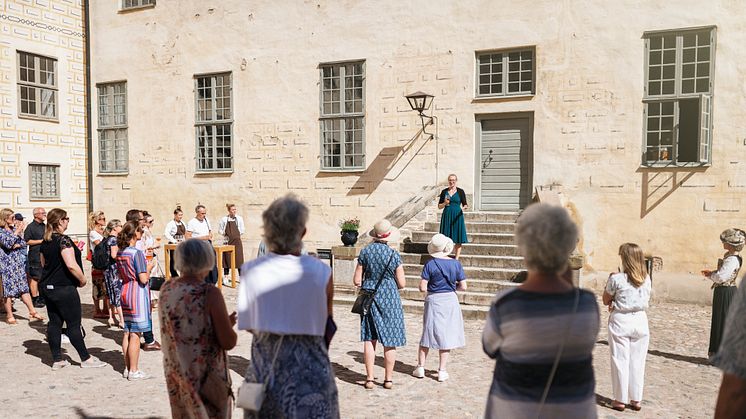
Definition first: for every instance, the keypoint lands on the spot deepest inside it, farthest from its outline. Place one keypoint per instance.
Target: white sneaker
(60, 365)
(419, 372)
(227, 281)
(65, 339)
(126, 373)
(92, 362)
(442, 376)
(138, 375)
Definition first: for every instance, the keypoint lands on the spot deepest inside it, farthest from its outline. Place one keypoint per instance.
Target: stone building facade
(42, 108)
(630, 110)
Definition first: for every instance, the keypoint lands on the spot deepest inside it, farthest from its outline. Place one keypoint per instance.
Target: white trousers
(629, 337)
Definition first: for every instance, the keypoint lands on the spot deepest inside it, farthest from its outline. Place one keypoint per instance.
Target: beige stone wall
(54, 29)
(587, 110)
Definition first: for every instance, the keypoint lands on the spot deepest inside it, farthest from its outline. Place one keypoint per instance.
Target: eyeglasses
(66, 219)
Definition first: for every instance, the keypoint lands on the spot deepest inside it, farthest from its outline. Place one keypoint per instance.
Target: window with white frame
(44, 181)
(37, 86)
(343, 116)
(113, 146)
(505, 73)
(134, 4)
(678, 96)
(214, 122)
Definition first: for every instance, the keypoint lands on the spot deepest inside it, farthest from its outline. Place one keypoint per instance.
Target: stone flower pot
(349, 238)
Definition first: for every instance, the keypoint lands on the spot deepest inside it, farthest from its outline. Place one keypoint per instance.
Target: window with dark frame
(342, 119)
(214, 122)
(134, 4)
(113, 144)
(44, 180)
(678, 97)
(505, 73)
(37, 86)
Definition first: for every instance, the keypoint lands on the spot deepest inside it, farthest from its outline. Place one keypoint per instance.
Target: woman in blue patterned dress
(385, 321)
(285, 301)
(134, 272)
(111, 277)
(452, 201)
(12, 266)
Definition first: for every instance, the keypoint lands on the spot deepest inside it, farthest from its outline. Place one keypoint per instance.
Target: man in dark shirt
(34, 235)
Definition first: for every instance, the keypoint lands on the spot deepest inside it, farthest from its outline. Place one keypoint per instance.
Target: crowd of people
(541, 334)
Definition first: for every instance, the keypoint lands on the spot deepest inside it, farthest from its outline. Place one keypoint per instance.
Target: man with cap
(34, 235)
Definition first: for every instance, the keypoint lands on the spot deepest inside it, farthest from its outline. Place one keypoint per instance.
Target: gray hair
(546, 236)
(193, 256)
(284, 224)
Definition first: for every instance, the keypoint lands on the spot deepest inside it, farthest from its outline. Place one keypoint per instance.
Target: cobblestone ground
(679, 382)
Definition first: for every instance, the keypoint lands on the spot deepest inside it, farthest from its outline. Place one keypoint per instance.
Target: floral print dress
(12, 265)
(190, 349)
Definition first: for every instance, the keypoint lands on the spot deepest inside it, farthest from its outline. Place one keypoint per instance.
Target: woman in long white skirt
(627, 294)
(442, 322)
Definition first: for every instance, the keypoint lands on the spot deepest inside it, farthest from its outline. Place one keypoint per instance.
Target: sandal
(635, 406)
(11, 320)
(619, 407)
(35, 316)
(388, 384)
(369, 384)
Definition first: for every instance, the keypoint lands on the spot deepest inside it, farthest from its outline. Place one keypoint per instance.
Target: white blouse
(727, 270)
(627, 297)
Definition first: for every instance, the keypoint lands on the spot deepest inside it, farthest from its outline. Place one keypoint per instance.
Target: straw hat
(440, 246)
(384, 231)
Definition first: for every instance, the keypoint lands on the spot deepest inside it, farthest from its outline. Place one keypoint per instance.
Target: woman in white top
(627, 294)
(96, 225)
(724, 284)
(285, 301)
(174, 233)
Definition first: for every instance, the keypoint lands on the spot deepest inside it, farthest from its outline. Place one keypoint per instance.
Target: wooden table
(220, 249)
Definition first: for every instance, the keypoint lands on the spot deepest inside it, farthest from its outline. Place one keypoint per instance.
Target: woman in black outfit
(62, 274)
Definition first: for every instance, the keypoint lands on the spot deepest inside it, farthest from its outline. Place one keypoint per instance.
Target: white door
(504, 160)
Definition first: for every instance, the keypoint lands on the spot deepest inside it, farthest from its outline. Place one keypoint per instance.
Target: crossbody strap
(453, 286)
(383, 272)
(271, 375)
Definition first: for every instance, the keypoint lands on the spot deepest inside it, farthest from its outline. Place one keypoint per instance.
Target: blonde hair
(633, 263)
(452, 174)
(111, 226)
(93, 217)
(4, 214)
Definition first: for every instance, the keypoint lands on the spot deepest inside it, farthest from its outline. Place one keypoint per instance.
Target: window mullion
(678, 68)
(213, 92)
(505, 78)
(675, 136)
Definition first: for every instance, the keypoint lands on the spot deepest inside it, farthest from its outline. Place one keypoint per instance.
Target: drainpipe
(88, 125)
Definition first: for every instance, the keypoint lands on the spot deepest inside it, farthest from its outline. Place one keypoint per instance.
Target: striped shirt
(523, 333)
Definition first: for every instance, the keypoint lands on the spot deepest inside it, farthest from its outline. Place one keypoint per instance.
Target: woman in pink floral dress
(196, 332)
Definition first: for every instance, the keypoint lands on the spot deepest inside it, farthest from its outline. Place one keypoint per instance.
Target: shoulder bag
(156, 281)
(251, 395)
(365, 298)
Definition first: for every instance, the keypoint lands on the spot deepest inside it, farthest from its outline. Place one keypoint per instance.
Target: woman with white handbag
(285, 301)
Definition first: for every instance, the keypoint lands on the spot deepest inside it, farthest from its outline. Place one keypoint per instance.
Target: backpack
(101, 259)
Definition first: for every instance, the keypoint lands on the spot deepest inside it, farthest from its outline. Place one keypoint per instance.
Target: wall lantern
(421, 102)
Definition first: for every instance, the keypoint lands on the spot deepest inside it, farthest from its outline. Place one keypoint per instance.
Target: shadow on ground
(82, 414)
(676, 357)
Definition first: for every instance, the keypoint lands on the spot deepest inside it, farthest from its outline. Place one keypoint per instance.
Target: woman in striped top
(542, 333)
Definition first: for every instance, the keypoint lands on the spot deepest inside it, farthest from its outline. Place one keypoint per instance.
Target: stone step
(472, 272)
(468, 298)
(471, 312)
(466, 260)
(486, 217)
(474, 238)
(468, 249)
(505, 228)
(476, 285)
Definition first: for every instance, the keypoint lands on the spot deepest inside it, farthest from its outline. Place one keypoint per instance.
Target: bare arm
(461, 285)
(401, 280)
(423, 285)
(221, 321)
(68, 256)
(607, 298)
(731, 403)
(330, 296)
(34, 242)
(144, 277)
(188, 234)
(357, 277)
(113, 252)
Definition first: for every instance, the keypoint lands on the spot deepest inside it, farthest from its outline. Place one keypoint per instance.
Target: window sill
(359, 170)
(495, 99)
(39, 118)
(47, 199)
(214, 172)
(664, 166)
(136, 9)
(113, 174)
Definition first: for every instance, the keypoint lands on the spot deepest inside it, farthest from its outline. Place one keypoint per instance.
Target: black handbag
(365, 298)
(157, 280)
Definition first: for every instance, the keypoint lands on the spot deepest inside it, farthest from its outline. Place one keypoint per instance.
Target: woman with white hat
(442, 322)
(379, 268)
(724, 283)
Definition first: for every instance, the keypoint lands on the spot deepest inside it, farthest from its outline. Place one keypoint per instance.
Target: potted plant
(349, 232)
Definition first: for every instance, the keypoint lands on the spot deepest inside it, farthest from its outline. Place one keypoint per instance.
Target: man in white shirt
(199, 228)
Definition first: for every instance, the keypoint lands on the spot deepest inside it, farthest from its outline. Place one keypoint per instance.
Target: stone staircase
(490, 259)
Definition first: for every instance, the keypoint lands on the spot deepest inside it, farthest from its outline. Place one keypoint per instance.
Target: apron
(233, 237)
(180, 233)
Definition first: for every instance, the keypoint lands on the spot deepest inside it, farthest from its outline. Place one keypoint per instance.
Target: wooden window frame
(213, 127)
(136, 4)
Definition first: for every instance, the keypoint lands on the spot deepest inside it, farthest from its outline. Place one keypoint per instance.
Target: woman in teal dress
(384, 322)
(453, 203)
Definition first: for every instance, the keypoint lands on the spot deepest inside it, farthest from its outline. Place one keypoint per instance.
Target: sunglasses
(66, 219)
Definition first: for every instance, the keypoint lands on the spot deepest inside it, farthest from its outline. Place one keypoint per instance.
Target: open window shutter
(705, 128)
